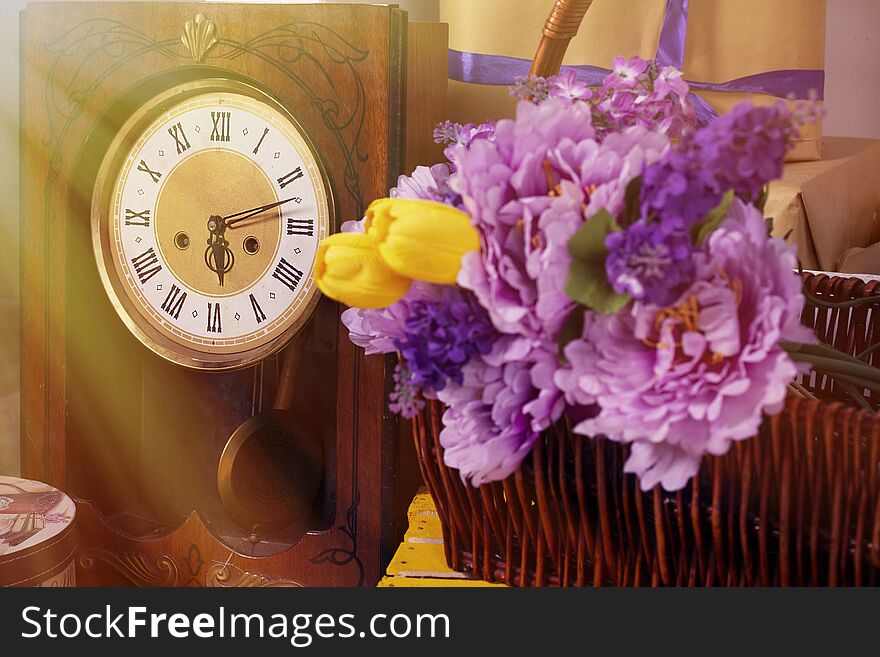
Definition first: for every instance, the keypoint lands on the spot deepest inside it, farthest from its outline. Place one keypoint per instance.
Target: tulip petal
(422, 240)
(350, 269)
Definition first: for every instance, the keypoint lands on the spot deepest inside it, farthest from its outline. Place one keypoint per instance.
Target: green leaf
(632, 209)
(589, 242)
(588, 285)
(587, 280)
(701, 231)
(769, 221)
(571, 330)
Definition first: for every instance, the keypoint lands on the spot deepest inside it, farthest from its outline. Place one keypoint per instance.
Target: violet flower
(458, 136)
(528, 192)
(440, 336)
(535, 89)
(567, 86)
(699, 375)
(426, 183)
(406, 398)
(678, 190)
(650, 261)
(625, 73)
(744, 149)
(490, 422)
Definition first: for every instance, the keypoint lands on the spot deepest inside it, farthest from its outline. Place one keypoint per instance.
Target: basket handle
(561, 27)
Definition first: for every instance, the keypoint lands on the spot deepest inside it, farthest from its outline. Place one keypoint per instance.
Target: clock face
(206, 220)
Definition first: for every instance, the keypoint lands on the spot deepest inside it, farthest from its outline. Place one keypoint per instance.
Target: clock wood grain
(102, 417)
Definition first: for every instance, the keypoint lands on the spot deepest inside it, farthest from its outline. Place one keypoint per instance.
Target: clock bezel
(101, 219)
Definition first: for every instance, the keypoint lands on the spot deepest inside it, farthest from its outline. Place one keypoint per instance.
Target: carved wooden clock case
(180, 158)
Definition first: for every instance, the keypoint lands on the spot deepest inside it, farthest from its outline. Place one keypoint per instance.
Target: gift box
(829, 206)
(731, 49)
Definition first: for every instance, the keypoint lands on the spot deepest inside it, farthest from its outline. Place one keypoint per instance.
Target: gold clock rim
(146, 334)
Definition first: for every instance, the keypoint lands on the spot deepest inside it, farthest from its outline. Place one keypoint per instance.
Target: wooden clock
(183, 380)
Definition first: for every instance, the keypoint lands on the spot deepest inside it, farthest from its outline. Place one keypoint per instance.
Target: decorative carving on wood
(65, 579)
(135, 567)
(193, 562)
(293, 49)
(199, 36)
(221, 575)
(341, 556)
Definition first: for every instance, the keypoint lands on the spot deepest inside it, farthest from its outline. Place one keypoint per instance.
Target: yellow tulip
(349, 268)
(422, 240)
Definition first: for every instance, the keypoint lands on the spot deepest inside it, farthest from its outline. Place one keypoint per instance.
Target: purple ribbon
(476, 68)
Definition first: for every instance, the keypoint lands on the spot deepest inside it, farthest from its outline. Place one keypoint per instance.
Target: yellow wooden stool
(419, 561)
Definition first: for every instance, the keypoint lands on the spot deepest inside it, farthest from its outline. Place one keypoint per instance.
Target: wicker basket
(797, 505)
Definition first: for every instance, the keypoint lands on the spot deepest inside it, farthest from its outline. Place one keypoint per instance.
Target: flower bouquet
(596, 269)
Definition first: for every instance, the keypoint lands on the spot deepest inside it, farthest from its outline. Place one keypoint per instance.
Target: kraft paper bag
(726, 40)
(830, 207)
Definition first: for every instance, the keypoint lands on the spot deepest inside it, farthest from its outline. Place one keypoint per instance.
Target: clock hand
(232, 219)
(218, 257)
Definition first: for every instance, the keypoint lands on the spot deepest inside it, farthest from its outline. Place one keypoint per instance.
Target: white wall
(852, 68)
(852, 99)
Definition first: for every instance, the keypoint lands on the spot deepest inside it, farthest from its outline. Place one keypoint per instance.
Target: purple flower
(669, 80)
(594, 176)
(534, 88)
(458, 136)
(405, 399)
(427, 183)
(678, 190)
(440, 336)
(497, 412)
(744, 149)
(650, 261)
(436, 329)
(567, 86)
(625, 72)
(680, 382)
(377, 329)
(528, 192)
(635, 93)
(492, 177)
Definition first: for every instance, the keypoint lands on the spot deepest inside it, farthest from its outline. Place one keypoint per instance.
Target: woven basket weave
(797, 505)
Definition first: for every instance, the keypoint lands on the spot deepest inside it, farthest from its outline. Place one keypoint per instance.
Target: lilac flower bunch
(635, 92)
(625, 276)
(440, 336)
(461, 135)
(740, 152)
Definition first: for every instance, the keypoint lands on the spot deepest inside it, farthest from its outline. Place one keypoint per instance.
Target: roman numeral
(174, 302)
(179, 135)
(287, 274)
(133, 218)
(260, 143)
(146, 265)
(258, 312)
(221, 126)
(293, 176)
(155, 175)
(214, 325)
(300, 226)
